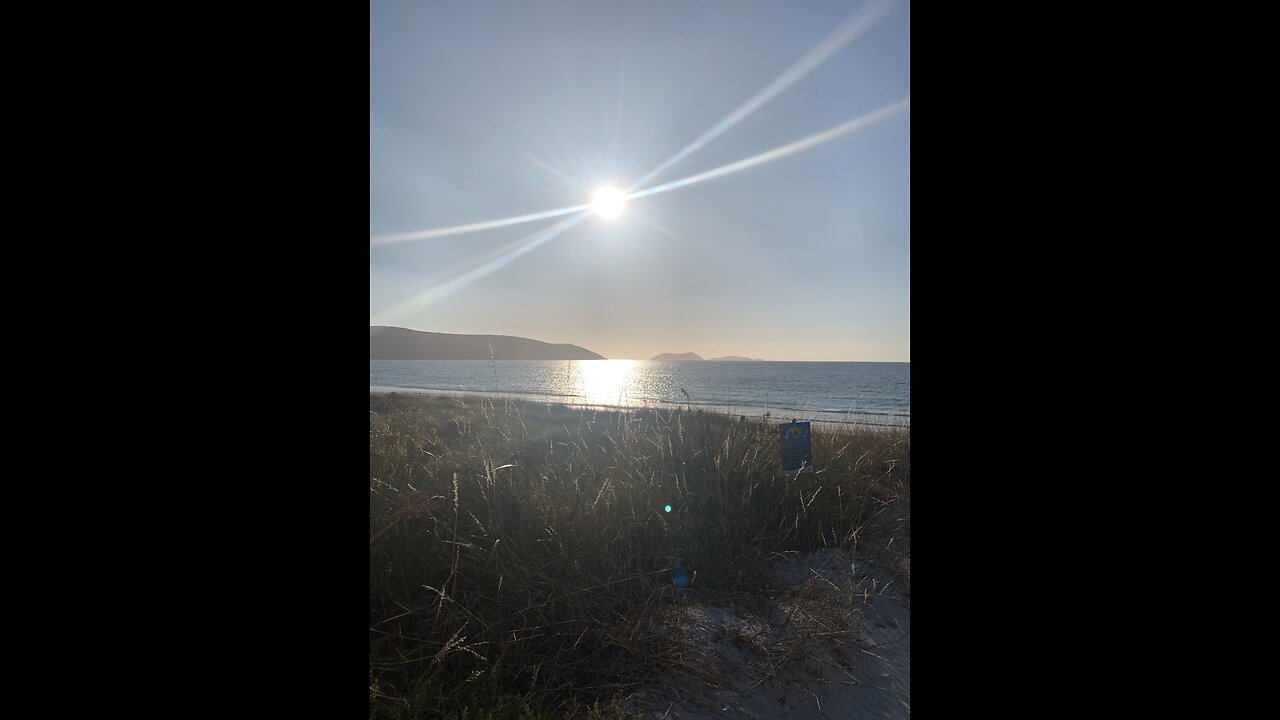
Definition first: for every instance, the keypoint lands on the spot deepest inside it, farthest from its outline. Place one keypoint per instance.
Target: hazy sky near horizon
(486, 110)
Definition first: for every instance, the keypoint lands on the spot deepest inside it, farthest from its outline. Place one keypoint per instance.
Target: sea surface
(874, 394)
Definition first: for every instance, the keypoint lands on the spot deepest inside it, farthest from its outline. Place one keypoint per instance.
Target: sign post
(797, 447)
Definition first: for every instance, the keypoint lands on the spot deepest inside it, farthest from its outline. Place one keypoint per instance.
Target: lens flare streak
(795, 147)
(495, 262)
(859, 22)
(851, 28)
(474, 227)
(764, 157)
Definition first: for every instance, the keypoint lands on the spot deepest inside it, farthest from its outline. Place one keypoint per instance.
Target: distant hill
(737, 357)
(393, 343)
(676, 357)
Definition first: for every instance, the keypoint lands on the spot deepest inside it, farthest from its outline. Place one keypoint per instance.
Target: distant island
(393, 343)
(689, 357)
(676, 357)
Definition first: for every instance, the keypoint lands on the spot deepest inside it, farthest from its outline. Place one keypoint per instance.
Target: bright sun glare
(608, 202)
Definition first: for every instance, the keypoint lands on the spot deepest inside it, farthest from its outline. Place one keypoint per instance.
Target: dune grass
(520, 554)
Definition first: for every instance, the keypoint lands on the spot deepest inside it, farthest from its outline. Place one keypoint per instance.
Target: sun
(608, 202)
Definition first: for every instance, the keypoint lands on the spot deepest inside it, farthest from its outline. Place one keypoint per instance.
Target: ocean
(858, 393)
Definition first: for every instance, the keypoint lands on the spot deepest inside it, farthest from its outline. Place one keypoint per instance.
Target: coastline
(823, 418)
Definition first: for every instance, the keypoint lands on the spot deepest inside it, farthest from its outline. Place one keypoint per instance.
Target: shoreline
(821, 418)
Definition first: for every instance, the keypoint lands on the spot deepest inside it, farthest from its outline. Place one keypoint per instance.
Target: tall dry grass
(520, 554)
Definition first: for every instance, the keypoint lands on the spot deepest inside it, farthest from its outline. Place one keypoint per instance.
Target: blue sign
(680, 578)
(797, 447)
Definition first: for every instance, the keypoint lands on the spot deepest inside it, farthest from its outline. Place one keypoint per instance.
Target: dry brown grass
(520, 558)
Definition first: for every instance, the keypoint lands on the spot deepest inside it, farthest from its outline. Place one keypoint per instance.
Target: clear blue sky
(486, 110)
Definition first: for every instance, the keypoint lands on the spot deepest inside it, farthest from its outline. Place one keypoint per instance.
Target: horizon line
(602, 357)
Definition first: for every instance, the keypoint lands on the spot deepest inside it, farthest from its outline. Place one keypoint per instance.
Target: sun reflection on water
(604, 382)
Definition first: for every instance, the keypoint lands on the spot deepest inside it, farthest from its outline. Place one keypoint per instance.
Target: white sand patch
(835, 645)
